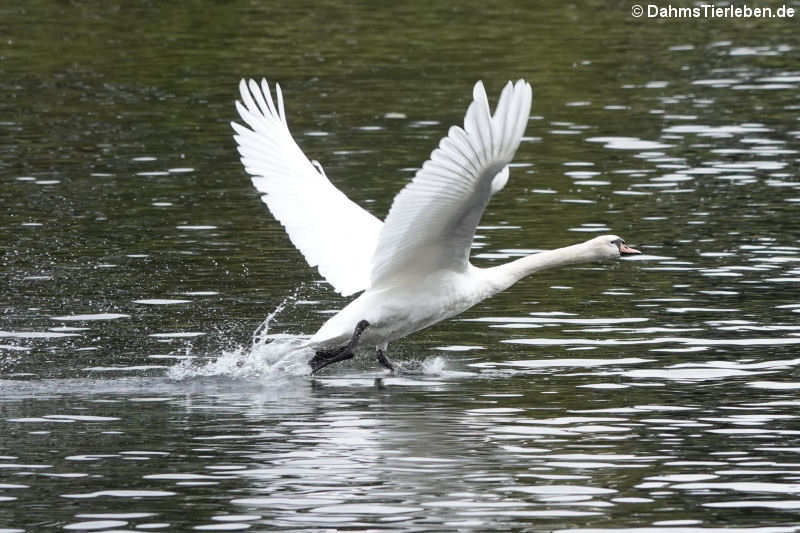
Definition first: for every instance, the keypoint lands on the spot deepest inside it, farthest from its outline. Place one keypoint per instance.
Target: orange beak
(627, 250)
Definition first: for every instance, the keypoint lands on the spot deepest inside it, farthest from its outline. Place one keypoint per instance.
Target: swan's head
(609, 247)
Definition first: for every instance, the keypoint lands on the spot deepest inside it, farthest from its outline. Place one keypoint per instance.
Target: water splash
(275, 356)
(429, 366)
(269, 355)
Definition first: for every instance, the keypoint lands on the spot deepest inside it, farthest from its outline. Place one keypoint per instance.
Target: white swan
(414, 268)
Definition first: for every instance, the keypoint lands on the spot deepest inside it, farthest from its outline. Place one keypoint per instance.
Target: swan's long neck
(504, 276)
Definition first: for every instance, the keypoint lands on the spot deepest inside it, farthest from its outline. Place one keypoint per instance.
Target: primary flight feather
(319, 219)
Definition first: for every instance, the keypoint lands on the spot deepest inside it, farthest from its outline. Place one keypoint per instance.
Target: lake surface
(141, 388)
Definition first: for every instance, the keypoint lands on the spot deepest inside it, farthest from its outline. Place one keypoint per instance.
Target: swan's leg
(324, 358)
(383, 360)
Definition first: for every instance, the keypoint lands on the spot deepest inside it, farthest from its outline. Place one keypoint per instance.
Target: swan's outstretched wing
(332, 232)
(432, 220)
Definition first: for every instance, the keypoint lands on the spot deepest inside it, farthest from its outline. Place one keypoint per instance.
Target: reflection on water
(356, 449)
(139, 392)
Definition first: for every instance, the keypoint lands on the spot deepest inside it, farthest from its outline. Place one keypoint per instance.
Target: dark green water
(137, 262)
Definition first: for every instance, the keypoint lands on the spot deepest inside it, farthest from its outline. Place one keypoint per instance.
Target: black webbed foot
(324, 358)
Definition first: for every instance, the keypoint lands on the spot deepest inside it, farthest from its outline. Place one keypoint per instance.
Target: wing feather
(331, 231)
(432, 221)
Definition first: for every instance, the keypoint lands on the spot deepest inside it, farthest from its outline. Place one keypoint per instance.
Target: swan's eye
(617, 242)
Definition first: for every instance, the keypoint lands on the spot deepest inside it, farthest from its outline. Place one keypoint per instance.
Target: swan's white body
(395, 311)
(414, 269)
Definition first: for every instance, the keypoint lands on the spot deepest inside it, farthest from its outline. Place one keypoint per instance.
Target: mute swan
(414, 268)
